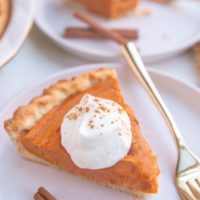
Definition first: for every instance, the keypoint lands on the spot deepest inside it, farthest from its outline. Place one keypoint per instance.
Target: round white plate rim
(27, 27)
(150, 56)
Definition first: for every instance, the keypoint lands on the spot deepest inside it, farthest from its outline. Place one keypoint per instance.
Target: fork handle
(137, 66)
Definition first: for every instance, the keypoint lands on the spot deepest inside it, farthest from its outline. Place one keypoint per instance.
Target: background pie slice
(5, 10)
(109, 8)
(35, 129)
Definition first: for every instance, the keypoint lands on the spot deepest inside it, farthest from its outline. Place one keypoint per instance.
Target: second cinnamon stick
(45, 194)
(73, 32)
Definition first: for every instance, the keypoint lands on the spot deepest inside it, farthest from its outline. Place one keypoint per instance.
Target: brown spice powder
(96, 111)
(103, 108)
(72, 116)
(120, 110)
(90, 124)
(87, 109)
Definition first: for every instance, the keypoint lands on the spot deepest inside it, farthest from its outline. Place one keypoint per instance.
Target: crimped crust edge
(26, 116)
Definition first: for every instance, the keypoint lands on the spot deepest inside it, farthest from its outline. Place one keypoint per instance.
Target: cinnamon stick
(163, 1)
(45, 194)
(75, 32)
(100, 29)
(37, 196)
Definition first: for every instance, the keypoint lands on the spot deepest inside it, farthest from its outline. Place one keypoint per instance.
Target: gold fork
(188, 166)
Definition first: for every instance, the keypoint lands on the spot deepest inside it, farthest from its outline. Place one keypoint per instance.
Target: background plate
(168, 30)
(20, 23)
(19, 178)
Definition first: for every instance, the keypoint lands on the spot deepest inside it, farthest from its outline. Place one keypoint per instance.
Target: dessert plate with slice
(36, 130)
(164, 29)
(16, 19)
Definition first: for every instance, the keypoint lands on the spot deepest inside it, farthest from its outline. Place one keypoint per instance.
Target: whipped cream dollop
(96, 133)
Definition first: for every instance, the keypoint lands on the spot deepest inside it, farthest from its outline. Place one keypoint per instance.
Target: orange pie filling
(110, 8)
(44, 141)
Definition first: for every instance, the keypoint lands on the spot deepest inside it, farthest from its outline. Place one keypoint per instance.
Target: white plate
(19, 178)
(170, 29)
(17, 30)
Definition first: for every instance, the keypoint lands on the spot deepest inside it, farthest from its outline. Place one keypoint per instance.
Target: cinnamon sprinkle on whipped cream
(96, 133)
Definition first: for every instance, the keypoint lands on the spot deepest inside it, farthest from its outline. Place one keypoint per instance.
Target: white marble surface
(39, 57)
